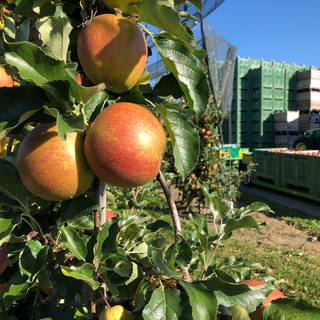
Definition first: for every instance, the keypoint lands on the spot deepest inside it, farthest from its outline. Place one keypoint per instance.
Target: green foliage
(60, 259)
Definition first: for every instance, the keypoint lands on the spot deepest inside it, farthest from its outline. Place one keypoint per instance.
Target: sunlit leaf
(164, 304)
(85, 273)
(54, 32)
(291, 309)
(191, 76)
(162, 14)
(74, 242)
(246, 222)
(203, 301)
(184, 139)
(34, 64)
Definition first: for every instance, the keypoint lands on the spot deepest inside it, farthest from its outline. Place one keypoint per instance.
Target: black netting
(221, 55)
(221, 63)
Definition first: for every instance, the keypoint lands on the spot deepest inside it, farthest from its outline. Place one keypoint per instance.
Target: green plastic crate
(299, 170)
(268, 165)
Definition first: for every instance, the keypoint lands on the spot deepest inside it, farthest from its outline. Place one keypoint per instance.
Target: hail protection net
(221, 62)
(221, 54)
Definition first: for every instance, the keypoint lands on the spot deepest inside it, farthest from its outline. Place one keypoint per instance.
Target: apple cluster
(123, 146)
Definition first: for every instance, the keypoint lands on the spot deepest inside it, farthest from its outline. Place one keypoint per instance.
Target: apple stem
(104, 299)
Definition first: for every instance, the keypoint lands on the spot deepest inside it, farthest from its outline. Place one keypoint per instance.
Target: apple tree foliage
(55, 262)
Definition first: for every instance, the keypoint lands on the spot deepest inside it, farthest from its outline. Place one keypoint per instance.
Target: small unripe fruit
(116, 313)
(125, 144)
(112, 50)
(52, 168)
(193, 176)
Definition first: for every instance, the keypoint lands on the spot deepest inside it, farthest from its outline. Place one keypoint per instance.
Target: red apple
(125, 144)
(52, 168)
(273, 295)
(5, 79)
(113, 50)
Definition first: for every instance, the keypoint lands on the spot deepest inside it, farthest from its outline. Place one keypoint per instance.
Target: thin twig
(213, 253)
(102, 201)
(174, 215)
(104, 298)
(100, 214)
(172, 205)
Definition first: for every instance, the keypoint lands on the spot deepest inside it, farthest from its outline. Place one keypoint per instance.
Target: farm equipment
(309, 141)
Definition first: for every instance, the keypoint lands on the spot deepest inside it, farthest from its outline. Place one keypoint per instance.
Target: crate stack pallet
(260, 88)
(308, 98)
(286, 128)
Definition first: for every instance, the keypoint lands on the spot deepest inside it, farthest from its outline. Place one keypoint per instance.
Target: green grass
(297, 273)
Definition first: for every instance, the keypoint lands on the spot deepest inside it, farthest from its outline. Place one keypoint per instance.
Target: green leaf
(17, 290)
(203, 302)
(229, 294)
(291, 309)
(97, 100)
(239, 313)
(74, 243)
(54, 32)
(77, 213)
(210, 200)
(106, 239)
(18, 104)
(8, 221)
(168, 85)
(34, 64)
(23, 29)
(246, 222)
(69, 124)
(9, 26)
(33, 258)
(11, 186)
(158, 260)
(184, 139)
(220, 204)
(191, 76)
(80, 93)
(162, 14)
(184, 255)
(164, 304)
(253, 207)
(85, 273)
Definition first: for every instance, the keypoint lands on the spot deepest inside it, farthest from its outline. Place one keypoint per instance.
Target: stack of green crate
(260, 88)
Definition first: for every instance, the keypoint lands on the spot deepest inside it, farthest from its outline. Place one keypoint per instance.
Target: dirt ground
(279, 233)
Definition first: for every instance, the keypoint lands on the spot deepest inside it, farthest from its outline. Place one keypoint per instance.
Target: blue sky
(280, 30)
